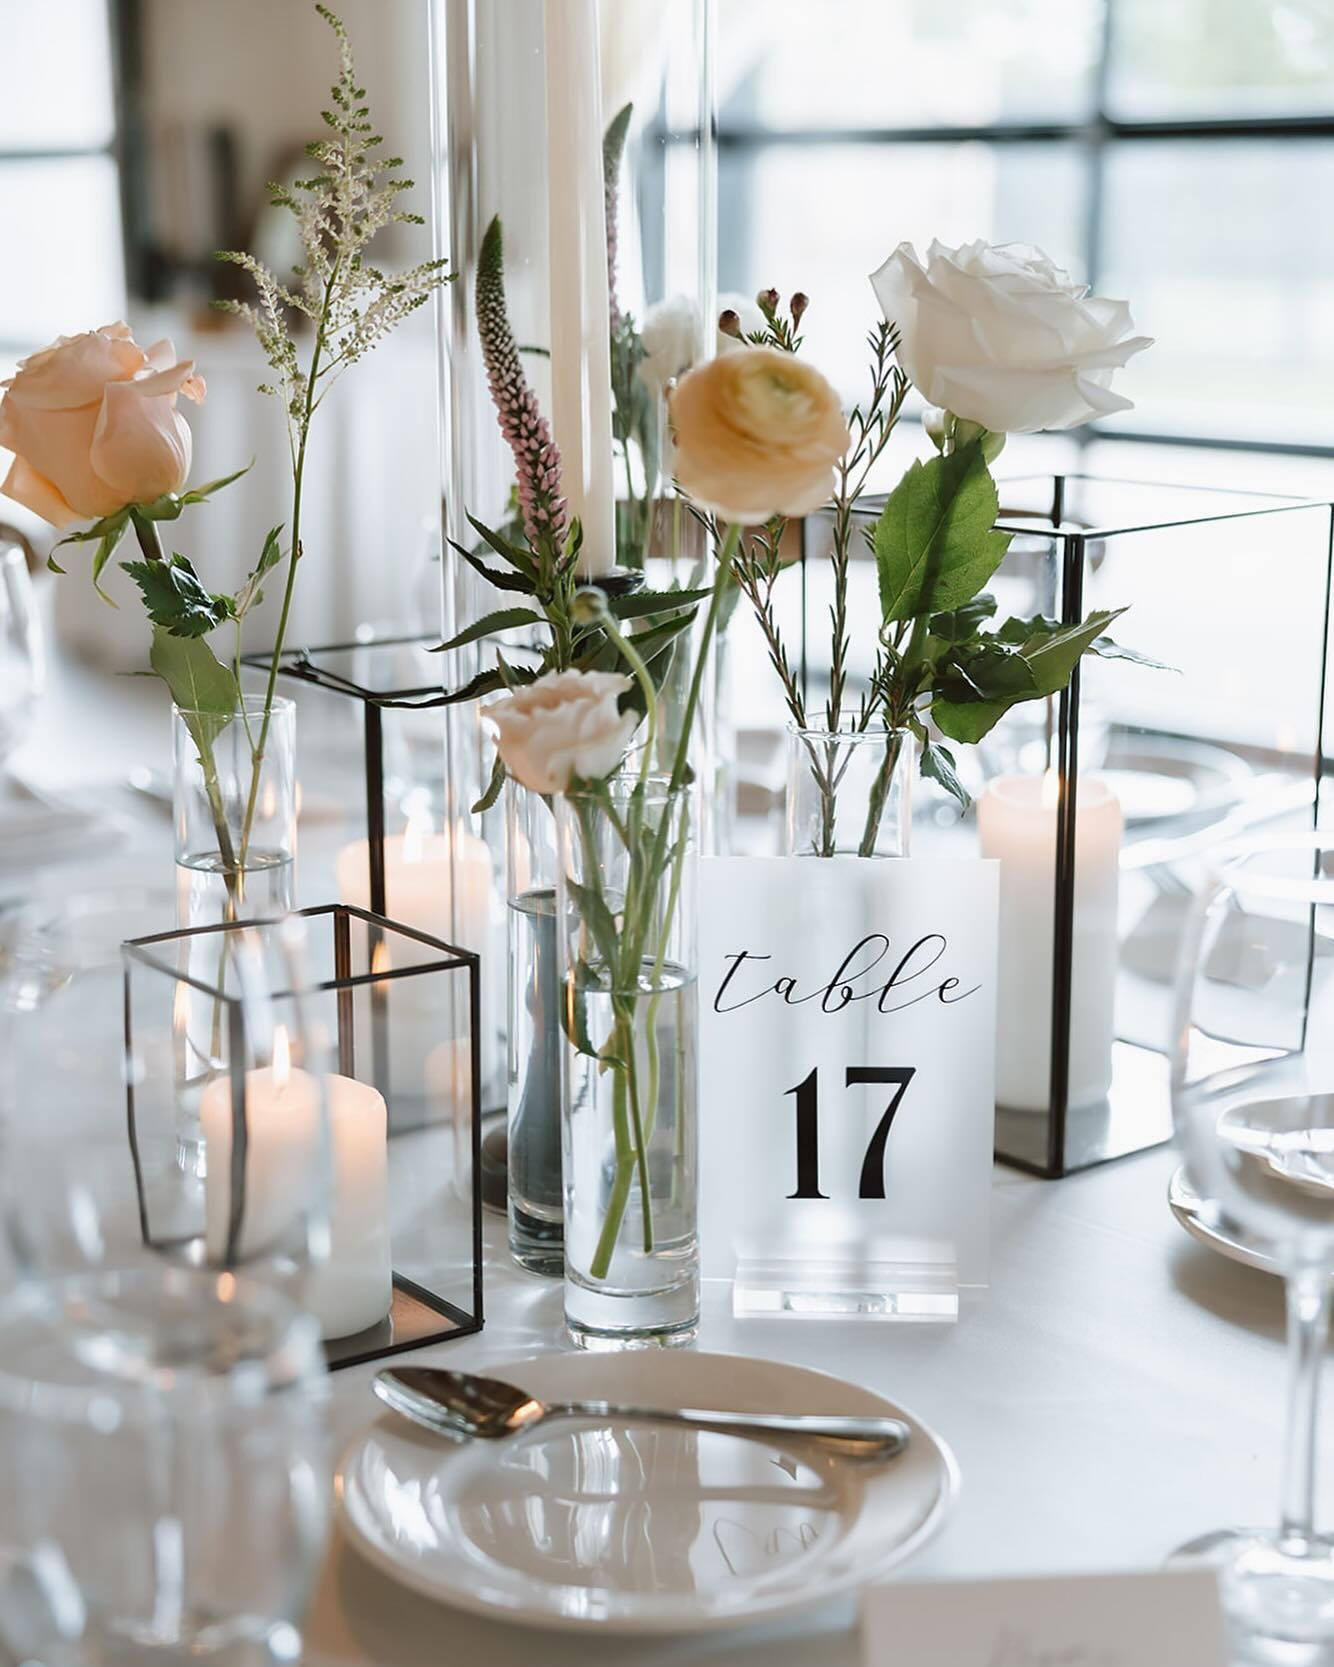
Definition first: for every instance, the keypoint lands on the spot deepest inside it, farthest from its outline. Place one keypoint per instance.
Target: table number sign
(847, 1047)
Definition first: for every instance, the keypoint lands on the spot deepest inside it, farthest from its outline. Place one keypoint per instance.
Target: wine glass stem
(1308, 1296)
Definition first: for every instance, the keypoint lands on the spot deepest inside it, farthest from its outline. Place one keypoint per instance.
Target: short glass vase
(630, 1101)
(849, 791)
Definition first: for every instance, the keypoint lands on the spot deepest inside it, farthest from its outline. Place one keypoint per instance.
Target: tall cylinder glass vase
(849, 792)
(234, 804)
(536, 1200)
(629, 978)
(587, 132)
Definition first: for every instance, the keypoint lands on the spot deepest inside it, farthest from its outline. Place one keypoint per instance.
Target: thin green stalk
(294, 556)
(875, 809)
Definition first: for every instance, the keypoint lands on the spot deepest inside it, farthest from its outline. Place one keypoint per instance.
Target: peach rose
(562, 725)
(93, 425)
(757, 434)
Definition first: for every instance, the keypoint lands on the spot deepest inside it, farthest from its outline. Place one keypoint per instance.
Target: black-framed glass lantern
(356, 1074)
(1103, 804)
(388, 778)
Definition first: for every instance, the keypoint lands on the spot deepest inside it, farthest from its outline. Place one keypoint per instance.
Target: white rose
(672, 338)
(1004, 338)
(566, 724)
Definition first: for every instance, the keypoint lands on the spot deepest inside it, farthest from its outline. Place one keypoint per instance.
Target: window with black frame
(60, 213)
(1179, 152)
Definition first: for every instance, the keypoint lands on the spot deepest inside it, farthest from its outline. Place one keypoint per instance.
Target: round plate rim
(628, 1625)
(1186, 1205)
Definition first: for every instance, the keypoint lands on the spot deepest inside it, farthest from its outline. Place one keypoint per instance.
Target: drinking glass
(1253, 1103)
(21, 661)
(161, 1378)
(158, 1509)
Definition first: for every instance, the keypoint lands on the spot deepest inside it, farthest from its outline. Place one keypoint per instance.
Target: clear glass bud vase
(626, 913)
(849, 792)
(234, 803)
(235, 810)
(536, 1202)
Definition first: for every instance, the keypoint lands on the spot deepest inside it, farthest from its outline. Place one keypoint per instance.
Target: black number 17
(808, 1129)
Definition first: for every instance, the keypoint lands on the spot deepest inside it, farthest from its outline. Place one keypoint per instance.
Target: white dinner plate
(1202, 1221)
(634, 1528)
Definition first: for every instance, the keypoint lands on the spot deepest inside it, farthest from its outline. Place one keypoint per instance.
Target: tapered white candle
(1016, 818)
(577, 263)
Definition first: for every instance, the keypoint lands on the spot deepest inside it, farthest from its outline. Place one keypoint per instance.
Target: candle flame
(381, 961)
(418, 830)
(1051, 790)
(282, 1056)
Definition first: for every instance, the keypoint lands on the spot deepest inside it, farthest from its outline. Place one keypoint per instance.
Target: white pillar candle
(1016, 818)
(353, 1289)
(423, 872)
(577, 264)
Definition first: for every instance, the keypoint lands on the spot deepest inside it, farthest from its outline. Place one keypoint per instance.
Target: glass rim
(657, 786)
(846, 731)
(249, 705)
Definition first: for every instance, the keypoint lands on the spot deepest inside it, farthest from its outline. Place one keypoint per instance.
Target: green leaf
(574, 1014)
(938, 766)
(1106, 649)
(493, 787)
(1054, 650)
(642, 602)
(101, 556)
(504, 619)
(201, 686)
(502, 581)
(175, 599)
(250, 595)
(98, 530)
(935, 545)
(517, 558)
(960, 625)
(598, 918)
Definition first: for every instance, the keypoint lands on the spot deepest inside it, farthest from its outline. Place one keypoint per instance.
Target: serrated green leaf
(504, 619)
(935, 544)
(502, 581)
(175, 600)
(201, 686)
(519, 559)
(642, 602)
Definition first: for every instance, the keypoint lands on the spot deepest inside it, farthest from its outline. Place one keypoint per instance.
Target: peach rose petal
(25, 486)
(74, 372)
(56, 445)
(141, 447)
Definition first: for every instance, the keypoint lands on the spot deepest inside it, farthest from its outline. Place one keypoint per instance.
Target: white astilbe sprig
(352, 197)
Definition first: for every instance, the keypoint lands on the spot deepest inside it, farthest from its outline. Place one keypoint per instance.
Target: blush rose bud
(589, 606)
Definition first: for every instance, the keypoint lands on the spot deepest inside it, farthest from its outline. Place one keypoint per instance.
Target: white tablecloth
(1118, 1389)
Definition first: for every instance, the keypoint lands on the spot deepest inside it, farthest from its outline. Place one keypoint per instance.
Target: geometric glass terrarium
(357, 1075)
(1102, 804)
(388, 778)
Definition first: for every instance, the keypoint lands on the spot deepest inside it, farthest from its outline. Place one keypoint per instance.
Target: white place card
(847, 1047)
(1168, 1618)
